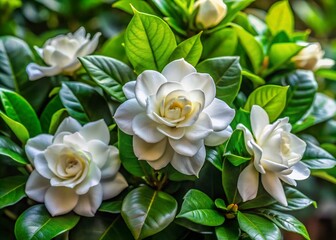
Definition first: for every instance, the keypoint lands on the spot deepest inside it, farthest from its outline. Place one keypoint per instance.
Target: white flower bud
(210, 12)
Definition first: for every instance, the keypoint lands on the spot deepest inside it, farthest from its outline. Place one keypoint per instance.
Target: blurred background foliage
(35, 21)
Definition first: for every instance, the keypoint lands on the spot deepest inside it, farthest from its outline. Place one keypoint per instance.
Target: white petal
(96, 130)
(169, 88)
(113, 186)
(148, 84)
(69, 124)
(35, 71)
(297, 146)
(125, 114)
(218, 137)
(100, 152)
(39, 51)
(287, 180)
(273, 186)
(37, 145)
(171, 132)
(189, 165)
(60, 200)
(41, 166)
(259, 120)
(92, 179)
(112, 165)
(90, 47)
(75, 140)
(89, 203)
(220, 113)
(257, 156)
(200, 129)
(164, 160)
(247, 137)
(146, 129)
(80, 33)
(177, 70)
(300, 171)
(60, 59)
(192, 117)
(37, 186)
(248, 182)
(273, 166)
(203, 82)
(129, 89)
(148, 151)
(72, 67)
(185, 146)
(324, 63)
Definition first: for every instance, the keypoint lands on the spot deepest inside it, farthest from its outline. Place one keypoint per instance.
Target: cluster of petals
(75, 169)
(209, 13)
(61, 54)
(276, 156)
(172, 115)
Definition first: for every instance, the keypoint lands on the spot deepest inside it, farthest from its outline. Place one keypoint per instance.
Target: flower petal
(176, 70)
(111, 166)
(100, 152)
(300, 171)
(89, 47)
(35, 71)
(96, 130)
(60, 200)
(218, 137)
(69, 124)
(248, 182)
(129, 89)
(92, 179)
(88, 203)
(125, 114)
(148, 84)
(186, 147)
(270, 165)
(164, 160)
(324, 63)
(189, 165)
(247, 137)
(37, 186)
(146, 129)
(113, 186)
(148, 151)
(171, 132)
(273, 186)
(41, 166)
(200, 129)
(257, 156)
(259, 120)
(36, 145)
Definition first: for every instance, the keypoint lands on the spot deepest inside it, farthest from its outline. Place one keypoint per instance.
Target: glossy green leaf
(199, 208)
(235, 150)
(18, 129)
(229, 230)
(255, 79)
(301, 93)
(220, 203)
(190, 49)
(36, 223)
(230, 176)
(111, 206)
(147, 211)
(257, 227)
(10, 150)
(56, 120)
(12, 190)
(53, 106)
(114, 48)
(226, 72)
(285, 221)
(215, 156)
(84, 103)
(193, 226)
(317, 158)
(270, 97)
(140, 5)
(280, 18)
(149, 42)
(326, 73)
(262, 199)
(108, 73)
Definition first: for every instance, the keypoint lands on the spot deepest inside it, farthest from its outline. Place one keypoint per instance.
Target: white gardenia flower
(209, 13)
(74, 170)
(311, 58)
(61, 53)
(276, 156)
(172, 114)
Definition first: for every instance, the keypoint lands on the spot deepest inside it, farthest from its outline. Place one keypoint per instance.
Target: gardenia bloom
(276, 155)
(61, 54)
(74, 170)
(209, 12)
(311, 58)
(172, 114)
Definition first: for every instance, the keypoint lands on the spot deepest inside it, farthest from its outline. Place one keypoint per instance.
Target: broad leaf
(230, 176)
(199, 208)
(270, 97)
(285, 221)
(111, 206)
(18, 129)
(11, 153)
(235, 150)
(317, 158)
(147, 211)
(108, 73)
(53, 106)
(280, 18)
(12, 190)
(215, 156)
(36, 223)
(228, 231)
(190, 50)
(258, 228)
(139, 5)
(149, 42)
(226, 72)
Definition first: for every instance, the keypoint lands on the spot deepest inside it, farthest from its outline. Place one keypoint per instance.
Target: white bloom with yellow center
(61, 53)
(74, 170)
(276, 156)
(209, 13)
(172, 114)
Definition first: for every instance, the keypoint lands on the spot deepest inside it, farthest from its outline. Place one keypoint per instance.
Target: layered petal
(88, 203)
(60, 200)
(35, 71)
(129, 89)
(216, 138)
(37, 186)
(69, 124)
(113, 186)
(248, 182)
(148, 151)
(146, 129)
(185, 146)
(96, 130)
(37, 145)
(177, 70)
(259, 120)
(273, 186)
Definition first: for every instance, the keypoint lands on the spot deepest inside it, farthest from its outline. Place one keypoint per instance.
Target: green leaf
(110, 74)
(317, 158)
(128, 159)
(235, 149)
(199, 208)
(255, 79)
(56, 120)
(257, 227)
(285, 221)
(19, 110)
(84, 103)
(226, 72)
(280, 18)
(139, 5)
(53, 106)
(18, 129)
(296, 200)
(270, 97)
(12, 190)
(242, 117)
(220, 203)
(230, 176)
(190, 49)
(326, 73)
(114, 47)
(215, 156)
(149, 42)
(147, 211)
(111, 206)
(36, 223)
(228, 231)
(10, 150)
(262, 199)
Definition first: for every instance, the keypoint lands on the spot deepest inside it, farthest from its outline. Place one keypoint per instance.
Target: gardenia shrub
(194, 122)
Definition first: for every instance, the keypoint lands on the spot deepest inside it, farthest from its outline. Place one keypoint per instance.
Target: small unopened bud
(210, 13)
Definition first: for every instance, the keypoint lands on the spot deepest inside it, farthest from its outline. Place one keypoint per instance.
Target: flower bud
(210, 13)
